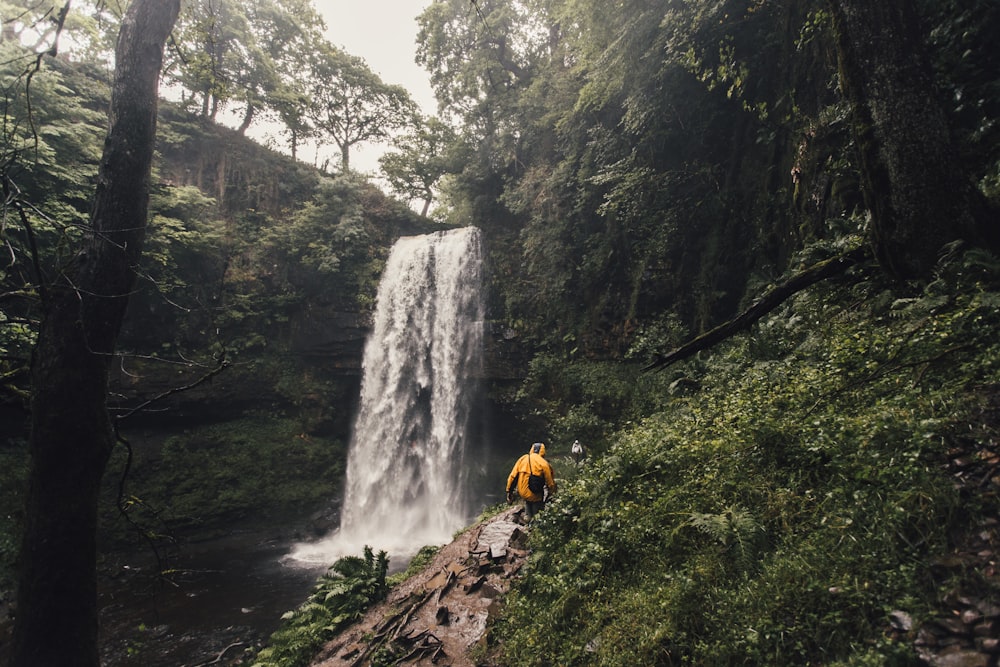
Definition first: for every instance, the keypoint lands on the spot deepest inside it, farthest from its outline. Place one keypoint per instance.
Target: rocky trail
(966, 630)
(441, 615)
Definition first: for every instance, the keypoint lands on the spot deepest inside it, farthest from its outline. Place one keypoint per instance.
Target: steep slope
(441, 615)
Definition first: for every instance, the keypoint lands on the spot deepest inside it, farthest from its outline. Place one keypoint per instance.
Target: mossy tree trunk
(914, 185)
(56, 619)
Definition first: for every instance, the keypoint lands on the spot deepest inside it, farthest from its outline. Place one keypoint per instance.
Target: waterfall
(406, 468)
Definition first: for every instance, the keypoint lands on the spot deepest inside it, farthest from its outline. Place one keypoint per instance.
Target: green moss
(417, 563)
(261, 468)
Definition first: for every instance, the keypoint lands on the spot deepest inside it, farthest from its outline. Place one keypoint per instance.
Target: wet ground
(217, 598)
(441, 615)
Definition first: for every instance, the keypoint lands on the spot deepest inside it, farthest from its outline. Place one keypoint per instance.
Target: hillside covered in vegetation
(822, 491)
(244, 335)
(788, 498)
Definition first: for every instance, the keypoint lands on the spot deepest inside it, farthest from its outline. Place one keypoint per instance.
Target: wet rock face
(442, 614)
(336, 338)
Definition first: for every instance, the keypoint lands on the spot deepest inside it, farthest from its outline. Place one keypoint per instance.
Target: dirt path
(440, 616)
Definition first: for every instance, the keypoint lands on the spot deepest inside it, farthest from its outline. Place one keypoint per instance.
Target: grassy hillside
(773, 502)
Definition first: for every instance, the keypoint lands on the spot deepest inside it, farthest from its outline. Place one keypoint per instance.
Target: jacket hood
(538, 448)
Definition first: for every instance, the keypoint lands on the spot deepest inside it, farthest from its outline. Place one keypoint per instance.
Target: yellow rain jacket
(531, 463)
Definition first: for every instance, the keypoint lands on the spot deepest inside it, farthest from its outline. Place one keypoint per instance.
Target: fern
(340, 597)
(736, 531)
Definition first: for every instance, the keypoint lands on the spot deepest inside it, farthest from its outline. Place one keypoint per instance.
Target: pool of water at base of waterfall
(228, 592)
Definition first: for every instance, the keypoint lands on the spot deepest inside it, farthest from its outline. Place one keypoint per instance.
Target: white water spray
(406, 473)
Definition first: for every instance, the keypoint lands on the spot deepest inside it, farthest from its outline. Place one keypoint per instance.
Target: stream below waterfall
(228, 592)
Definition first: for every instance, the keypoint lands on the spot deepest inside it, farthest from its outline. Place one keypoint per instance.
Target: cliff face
(332, 337)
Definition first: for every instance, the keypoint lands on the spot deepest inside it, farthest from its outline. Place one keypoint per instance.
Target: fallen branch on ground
(219, 657)
(761, 307)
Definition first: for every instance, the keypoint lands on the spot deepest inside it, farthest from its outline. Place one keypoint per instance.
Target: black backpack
(536, 483)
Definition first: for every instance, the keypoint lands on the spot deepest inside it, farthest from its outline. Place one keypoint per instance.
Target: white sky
(384, 33)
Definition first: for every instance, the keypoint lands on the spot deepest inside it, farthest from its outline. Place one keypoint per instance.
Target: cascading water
(406, 469)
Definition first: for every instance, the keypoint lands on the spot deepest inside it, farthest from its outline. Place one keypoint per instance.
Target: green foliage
(329, 250)
(642, 161)
(587, 400)
(350, 104)
(207, 477)
(966, 62)
(634, 150)
(776, 514)
(340, 597)
(327, 233)
(577, 400)
(421, 157)
(181, 260)
(665, 333)
(213, 278)
(735, 530)
(422, 558)
(50, 142)
(240, 52)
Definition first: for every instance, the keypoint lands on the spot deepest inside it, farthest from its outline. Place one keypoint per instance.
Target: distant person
(530, 477)
(577, 451)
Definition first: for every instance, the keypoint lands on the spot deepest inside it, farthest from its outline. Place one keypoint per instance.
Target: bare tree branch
(223, 365)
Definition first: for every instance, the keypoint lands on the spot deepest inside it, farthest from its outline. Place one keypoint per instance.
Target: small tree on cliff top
(352, 105)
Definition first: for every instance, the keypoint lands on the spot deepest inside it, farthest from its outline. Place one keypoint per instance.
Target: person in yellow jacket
(530, 477)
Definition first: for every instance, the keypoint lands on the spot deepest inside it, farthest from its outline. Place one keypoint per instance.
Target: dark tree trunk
(345, 157)
(247, 119)
(914, 185)
(71, 437)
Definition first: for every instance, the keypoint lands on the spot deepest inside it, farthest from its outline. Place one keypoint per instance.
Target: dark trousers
(532, 508)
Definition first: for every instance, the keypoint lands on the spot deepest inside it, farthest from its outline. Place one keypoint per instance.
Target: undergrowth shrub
(420, 560)
(780, 512)
(587, 400)
(340, 597)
